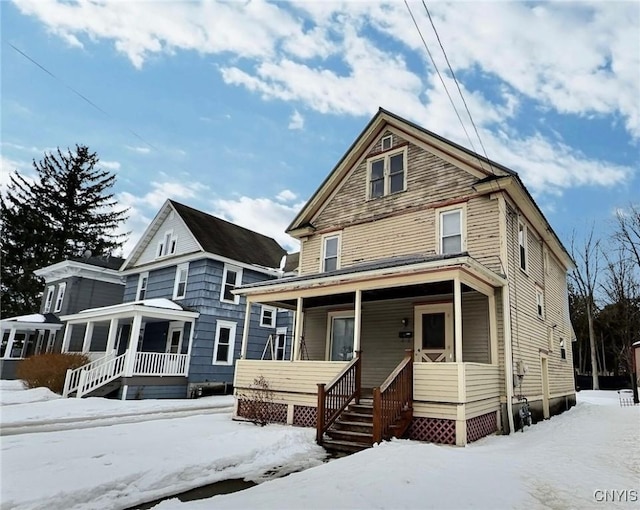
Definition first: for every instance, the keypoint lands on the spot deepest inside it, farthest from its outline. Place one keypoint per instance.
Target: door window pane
(342, 338)
(433, 331)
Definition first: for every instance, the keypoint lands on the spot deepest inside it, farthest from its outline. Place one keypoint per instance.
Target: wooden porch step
(361, 408)
(354, 426)
(356, 417)
(337, 445)
(350, 436)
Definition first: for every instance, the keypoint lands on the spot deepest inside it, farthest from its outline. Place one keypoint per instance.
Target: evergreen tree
(66, 209)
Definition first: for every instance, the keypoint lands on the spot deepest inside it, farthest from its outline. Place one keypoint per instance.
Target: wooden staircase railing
(334, 397)
(393, 401)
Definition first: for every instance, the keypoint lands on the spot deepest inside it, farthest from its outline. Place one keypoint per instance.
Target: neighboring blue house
(70, 286)
(178, 330)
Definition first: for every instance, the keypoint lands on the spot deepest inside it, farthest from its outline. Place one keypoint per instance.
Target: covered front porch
(25, 336)
(142, 339)
(443, 312)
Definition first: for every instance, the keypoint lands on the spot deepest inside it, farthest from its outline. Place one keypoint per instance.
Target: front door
(174, 339)
(433, 332)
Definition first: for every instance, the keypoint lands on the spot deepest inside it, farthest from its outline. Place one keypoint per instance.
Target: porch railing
(100, 375)
(160, 363)
(393, 401)
(336, 396)
(72, 379)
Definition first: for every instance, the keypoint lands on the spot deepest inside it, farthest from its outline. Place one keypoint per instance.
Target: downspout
(506, 314)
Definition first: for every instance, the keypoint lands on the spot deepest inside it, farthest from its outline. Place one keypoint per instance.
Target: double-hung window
(180, 285)
(143, 280)
(451, 230)
(49, 300)
(387, 173)
(268, 317)
(231, 278)
(522, 245)
(225, 342)
(330, 252)
(540, 302)
(62, 287)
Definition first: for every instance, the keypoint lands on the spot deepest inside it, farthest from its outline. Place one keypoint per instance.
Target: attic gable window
(168, 245)
(386, 174)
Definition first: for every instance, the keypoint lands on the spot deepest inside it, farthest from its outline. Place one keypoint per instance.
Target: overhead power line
(77, 93)
(484, 151)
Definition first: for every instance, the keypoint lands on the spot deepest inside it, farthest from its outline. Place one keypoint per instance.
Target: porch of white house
(151, 338)
(455, 385)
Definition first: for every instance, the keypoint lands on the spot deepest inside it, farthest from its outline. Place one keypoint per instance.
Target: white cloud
(7, 167)
(296, 121)
(286, 195)
(139, 150)
(262, 215)
(110, 165)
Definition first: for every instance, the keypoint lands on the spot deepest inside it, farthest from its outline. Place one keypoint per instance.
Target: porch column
(111, 338)
(357, 321)
(298, 330)
(245, 330)
(27, 336)
(192, 327)
(134, 339)
(457, 318)
(493, 328)
(67, 338)
(12, 337)
(88, 333)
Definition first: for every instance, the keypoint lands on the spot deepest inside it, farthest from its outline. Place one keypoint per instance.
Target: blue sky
(241, 109)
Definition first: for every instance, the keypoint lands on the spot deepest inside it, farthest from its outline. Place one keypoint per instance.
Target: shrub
(49, 370)
(256, 405)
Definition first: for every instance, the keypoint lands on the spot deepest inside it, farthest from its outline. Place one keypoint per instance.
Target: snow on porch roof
(159, 307)
(34, 320)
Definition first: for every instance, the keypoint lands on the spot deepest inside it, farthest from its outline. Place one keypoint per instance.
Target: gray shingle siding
(82, 293)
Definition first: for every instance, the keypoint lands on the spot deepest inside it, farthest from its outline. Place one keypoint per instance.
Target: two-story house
(176, 330)
(431, 283)
(70, 286)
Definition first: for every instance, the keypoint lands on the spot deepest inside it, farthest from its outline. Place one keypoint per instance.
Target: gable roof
(215, 236)
(487, 171)
(229, 240)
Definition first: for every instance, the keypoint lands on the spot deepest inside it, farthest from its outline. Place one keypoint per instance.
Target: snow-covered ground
(560, 463)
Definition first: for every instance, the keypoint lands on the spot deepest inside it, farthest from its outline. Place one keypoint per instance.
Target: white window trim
(386, 172)
(330, 316)
(281, 331)
(164, 249)
(48, 302)
(325, 237)
(540, 308)
(273, 316)
(51, 340)
(463, 225)
(525, 241)
(62, 288)
(173, 327)
(232, 340)
(141, 278)
(176, 283)
(385, 138)
(563, 349)
(223, 283)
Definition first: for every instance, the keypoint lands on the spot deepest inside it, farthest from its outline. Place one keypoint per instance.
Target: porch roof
(32, 322)
(439, 266)
(155, 308)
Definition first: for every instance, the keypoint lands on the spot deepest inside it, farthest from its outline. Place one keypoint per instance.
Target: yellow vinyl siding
(481, 381)
(436, 382)
(475, 328)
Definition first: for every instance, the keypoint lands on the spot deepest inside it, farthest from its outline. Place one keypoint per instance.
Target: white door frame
(544, 369)
(433, 355)
(344, 314)
(173, 327)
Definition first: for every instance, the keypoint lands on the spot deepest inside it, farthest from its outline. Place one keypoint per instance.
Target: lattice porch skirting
(481, 426)
(305, 416)
(433, 430)
(269, 411)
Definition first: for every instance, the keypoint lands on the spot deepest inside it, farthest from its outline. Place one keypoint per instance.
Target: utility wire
(76, 92)
(458, 85)
(435, 66)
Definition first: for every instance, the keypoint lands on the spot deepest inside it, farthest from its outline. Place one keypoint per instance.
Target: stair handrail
(333, 398)
(393, 400)
(72, 378)
(101, 375)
